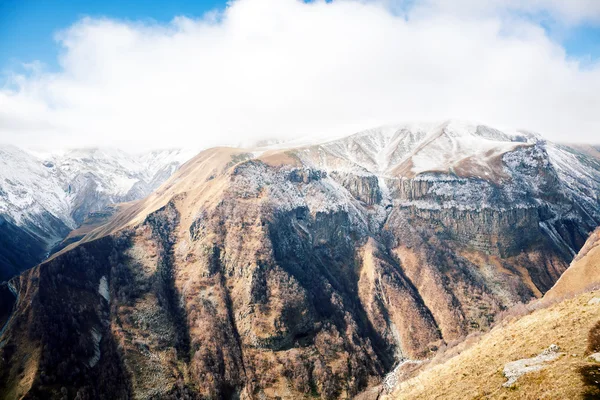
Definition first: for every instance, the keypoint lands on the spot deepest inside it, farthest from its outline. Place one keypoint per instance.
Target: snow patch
(103, 288)
(456, 143)
(96, 338)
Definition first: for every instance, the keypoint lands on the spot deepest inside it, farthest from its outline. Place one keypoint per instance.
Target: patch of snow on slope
(121, 185)
(103, 288)
(426, 146)
(28, 186)
(96, 338)
(455, 143)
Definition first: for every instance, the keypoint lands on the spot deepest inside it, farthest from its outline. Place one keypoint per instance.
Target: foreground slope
(477, 372)
(583, 273)
(306, 271)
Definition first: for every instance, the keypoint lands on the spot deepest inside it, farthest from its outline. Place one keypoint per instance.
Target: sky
(149, 74)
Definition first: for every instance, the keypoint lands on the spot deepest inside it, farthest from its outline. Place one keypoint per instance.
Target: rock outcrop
(515, 369)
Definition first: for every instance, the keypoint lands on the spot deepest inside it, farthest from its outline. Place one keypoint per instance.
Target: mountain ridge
(296, 271)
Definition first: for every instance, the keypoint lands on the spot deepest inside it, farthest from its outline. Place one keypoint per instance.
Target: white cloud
(560, 11)
(265, 68)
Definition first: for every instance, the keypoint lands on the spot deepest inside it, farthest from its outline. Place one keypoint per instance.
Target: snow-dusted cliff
(465, 166)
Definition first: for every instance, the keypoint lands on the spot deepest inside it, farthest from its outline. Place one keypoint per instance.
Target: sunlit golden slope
(584, 272)
(477, 373)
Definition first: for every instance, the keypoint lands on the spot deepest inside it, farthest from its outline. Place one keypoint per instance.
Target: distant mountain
(301, 271)
(43, 197)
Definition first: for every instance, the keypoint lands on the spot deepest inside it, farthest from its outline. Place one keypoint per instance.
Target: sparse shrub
(455, 347)
(590, 375)
(594, 339)
(516, 311)
(521, 309)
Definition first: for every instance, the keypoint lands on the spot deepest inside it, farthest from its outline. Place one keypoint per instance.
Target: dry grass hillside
(584, 271)
(477, 372)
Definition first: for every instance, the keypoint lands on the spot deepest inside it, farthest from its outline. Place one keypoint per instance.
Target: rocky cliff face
(300, 272)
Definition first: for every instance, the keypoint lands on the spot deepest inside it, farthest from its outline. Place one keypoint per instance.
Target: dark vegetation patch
(7, 302)
(594, 339)
(21, 249)
(68, 308)
(590, 373)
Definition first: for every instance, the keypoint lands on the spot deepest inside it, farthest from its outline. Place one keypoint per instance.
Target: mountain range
(291, 271)
(45, 196)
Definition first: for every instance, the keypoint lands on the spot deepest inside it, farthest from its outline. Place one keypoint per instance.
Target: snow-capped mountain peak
(415, 148)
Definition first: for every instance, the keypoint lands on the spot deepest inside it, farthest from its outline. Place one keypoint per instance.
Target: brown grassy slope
(477, 372)
(583, 273)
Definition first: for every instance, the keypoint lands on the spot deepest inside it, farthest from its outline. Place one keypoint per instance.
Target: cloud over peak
(283, 68)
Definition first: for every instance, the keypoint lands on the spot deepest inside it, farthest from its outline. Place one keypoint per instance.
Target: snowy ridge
(450, 167)
(28, 188)
(461, 165)
(36, 186)
(412, 149)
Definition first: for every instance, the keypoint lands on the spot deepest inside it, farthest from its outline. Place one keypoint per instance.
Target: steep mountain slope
(306, 271)
(572, 321)
(43, 197)
(583, 273)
